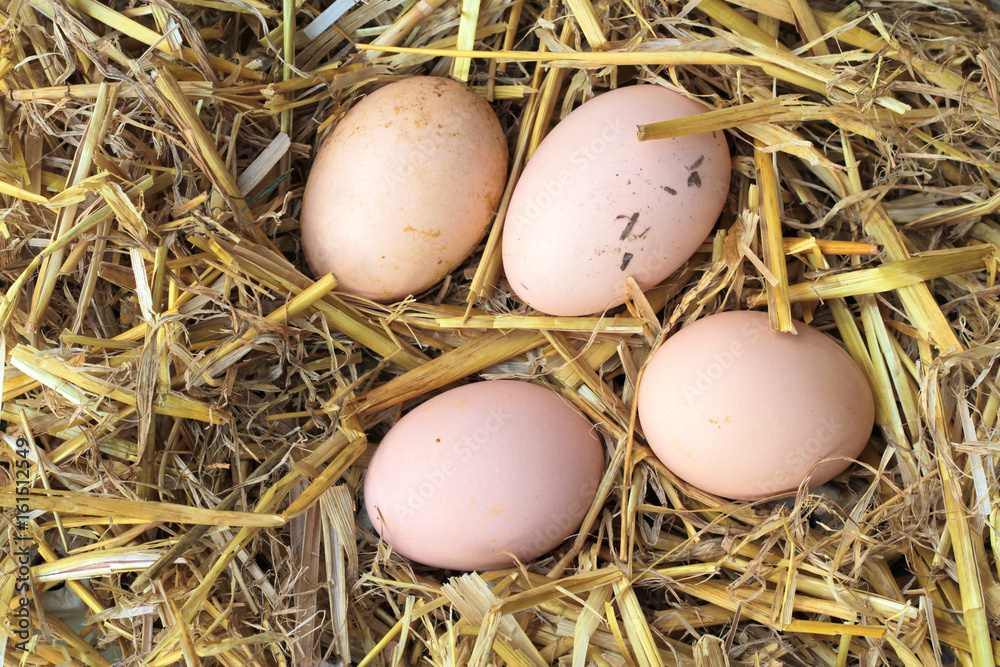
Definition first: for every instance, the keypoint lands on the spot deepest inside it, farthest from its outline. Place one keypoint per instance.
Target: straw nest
(196, 410)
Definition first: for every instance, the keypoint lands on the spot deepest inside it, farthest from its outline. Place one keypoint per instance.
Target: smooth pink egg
(744, 412)
(484, 474)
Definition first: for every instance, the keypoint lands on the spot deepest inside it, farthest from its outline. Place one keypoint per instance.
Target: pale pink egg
(741, 411)
(594, 205)
(483, 474)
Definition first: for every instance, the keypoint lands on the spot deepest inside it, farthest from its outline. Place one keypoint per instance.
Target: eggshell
(744, 412)
(483, 473)
(402, 191)
(594, 205)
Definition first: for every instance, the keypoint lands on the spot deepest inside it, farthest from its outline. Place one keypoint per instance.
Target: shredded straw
(188, 413)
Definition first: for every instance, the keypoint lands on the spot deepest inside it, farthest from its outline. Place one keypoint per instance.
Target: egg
(403, 189)
(483, 474)
(744, 412)
(594, 205)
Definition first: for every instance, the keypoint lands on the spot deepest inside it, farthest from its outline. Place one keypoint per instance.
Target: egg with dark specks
(744, 412)
(404, 188)
(594, 205)
(483, 475)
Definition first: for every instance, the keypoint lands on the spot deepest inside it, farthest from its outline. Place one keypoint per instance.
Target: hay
(195, 411)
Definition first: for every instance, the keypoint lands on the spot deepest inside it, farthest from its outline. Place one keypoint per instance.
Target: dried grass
(198, 411)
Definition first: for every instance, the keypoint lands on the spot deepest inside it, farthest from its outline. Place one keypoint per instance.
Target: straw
(194, 409)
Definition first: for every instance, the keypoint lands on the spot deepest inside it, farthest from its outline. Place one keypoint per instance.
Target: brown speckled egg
(403, 189)
(594, 205)
(482, 474)
(744, 412)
